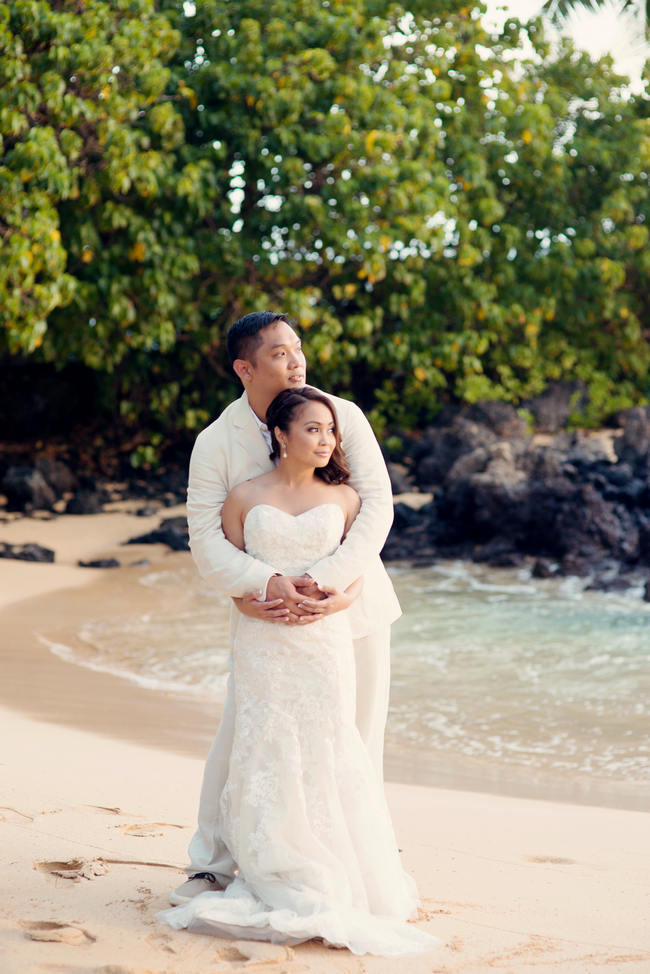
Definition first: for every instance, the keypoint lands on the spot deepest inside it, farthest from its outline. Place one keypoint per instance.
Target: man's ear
(243, 370)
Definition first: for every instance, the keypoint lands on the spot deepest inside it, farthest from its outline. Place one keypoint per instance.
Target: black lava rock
(552, 408)
(85, 502)
(634, 445)
(26, 552)
(100, 563)
(400, 481)
(174, 482)
(57, 474)
(405, 516)
(620, 474)
(498, 552)
(414, 534)
(593, 525)
(619, 584)
(500, 417)
(27, 490)
(440, 448)
(543, 568)
(172, 531)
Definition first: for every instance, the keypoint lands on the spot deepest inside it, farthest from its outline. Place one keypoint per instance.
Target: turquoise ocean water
(499, 681)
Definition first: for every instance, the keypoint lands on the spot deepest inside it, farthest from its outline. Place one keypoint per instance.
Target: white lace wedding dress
(303, 813)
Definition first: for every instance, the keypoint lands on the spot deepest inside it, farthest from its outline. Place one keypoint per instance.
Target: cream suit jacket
(231, 450)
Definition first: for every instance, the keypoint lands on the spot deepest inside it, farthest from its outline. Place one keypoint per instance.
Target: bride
(304, 815)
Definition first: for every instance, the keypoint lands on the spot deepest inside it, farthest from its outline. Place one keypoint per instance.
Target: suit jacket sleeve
(230, 570)
(369, 477)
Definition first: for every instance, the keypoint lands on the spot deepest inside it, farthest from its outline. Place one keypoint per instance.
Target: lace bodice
(293, 542)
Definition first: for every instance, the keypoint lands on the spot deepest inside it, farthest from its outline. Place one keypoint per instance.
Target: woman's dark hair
(243, 338)
(283, 411)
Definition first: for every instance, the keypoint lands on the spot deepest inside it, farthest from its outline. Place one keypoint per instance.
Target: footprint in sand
(431, 909)
(8, 814)
(72, 870)
(530, 952)
(105, 810)
(237, 953)
(255, 952)
(145, 829)
(551, 860)
(63, 933)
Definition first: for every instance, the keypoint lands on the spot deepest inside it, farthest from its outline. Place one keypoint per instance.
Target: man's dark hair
(284, 409)
(244, 338)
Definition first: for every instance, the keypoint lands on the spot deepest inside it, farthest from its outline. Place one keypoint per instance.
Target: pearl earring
(284, 451)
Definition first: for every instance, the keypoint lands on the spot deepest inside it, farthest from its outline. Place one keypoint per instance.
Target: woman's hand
(313, 604)
(271, 611)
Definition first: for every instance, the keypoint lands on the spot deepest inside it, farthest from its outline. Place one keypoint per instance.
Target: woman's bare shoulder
(238, 495)
(349, 497)
(244, 495)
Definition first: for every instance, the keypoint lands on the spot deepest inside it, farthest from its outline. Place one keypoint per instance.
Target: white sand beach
(100, 790)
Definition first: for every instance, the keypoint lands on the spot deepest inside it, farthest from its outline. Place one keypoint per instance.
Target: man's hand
(293, 600)
(272, 610)
(292, 590)
(307, 587)
(331, 600)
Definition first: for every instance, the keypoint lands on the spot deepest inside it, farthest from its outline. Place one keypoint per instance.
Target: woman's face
(311, 438)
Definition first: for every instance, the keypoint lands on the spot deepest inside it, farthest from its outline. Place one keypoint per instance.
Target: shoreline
(43, 684)
(94, 827)
(46, 685)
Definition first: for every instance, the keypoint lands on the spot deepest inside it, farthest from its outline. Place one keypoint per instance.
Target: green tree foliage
(443, 215)
(98, 261)
(542, 279)
(332, 167)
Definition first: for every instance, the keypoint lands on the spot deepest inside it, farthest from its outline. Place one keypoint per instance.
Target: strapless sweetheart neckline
(309, 510)
(291, 543)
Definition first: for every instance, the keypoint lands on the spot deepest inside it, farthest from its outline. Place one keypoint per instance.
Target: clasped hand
(293, 601)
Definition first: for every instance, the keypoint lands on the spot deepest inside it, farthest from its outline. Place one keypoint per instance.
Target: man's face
(278, 363)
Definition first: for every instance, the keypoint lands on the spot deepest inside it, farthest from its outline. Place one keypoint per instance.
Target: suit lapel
(249, 439)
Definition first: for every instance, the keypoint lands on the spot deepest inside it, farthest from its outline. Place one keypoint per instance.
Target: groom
(266, 355)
